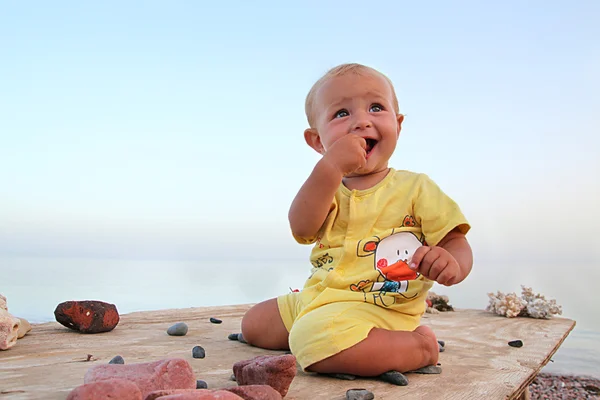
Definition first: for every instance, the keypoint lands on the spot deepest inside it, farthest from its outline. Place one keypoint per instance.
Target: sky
(174, 130)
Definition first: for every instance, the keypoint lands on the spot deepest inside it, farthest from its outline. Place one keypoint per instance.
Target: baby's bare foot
(429, 345)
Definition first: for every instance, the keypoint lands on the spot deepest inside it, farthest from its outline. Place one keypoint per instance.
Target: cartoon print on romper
(392, 255)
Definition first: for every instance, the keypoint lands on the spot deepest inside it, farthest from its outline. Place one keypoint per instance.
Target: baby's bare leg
(382, 351)
(263, 327)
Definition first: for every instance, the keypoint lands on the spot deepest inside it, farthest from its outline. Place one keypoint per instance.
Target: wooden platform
(477, 363)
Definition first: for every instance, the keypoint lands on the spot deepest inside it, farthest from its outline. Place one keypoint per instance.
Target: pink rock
(3, 305)
(256, 392)
(161, 393)
(202, 394)
(174, 373)
(275, 371)
(9, 329)
(109, 389)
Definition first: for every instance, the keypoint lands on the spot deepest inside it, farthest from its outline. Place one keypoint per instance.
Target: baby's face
(361, 105)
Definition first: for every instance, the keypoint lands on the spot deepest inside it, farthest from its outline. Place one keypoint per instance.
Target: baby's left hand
(437, 264)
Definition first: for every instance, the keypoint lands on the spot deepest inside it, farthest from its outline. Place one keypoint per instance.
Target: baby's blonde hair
(341, 70)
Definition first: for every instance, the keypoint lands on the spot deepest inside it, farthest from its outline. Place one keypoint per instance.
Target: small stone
(179, 329)
(215, 320)
(117, 360)
(233, 336)
(515, 343)
(430, 369)
(345, 377)
(241, 338)
(198, 352)
(441, 346)
(359, 394)
(200, 384)
(394, 377)
(87, 316)
(232, 377)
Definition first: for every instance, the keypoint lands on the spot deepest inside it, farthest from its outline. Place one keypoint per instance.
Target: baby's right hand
(348, 154)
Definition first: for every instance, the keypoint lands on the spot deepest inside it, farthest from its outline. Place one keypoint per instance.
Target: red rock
(87, 316)
(202, 394)
(174, 373)
(166, 392)
(275, 371)
(110, 389)
(256, 392)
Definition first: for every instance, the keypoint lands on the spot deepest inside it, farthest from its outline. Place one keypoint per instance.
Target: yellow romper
(360, 278)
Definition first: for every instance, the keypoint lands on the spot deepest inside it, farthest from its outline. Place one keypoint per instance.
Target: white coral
(9, 330)
(530, 304)
(538, 306)
(508, 305)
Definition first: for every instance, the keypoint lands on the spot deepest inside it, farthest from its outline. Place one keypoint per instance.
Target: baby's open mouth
(371, 143)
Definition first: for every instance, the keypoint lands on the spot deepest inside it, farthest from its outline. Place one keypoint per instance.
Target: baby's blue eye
(341, 114)
(376, 108)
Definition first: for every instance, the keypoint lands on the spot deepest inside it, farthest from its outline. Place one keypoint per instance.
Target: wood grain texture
(477, 364)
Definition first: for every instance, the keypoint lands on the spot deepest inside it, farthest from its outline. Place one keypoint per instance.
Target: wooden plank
(477, 363)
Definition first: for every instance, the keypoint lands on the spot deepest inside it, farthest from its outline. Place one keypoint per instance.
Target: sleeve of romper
(436, 212)
(326, 225)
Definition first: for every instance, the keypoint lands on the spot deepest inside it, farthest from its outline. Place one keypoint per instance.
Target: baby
(381, 238)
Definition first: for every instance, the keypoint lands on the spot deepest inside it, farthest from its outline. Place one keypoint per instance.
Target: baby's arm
(311, 205)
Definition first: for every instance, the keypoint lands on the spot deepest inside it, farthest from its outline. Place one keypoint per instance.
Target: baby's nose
(361, 123)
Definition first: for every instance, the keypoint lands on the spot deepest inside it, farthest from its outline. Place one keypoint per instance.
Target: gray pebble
(233, 336)
(215, 320)
(516, 343)
(201, 384)
(198, 352)
(232, 377)
(345, 377)
(117, 360)
(394, 377)
(241, 338)
(442, 343)
(359, 394)
(179, 329)
(430, 369)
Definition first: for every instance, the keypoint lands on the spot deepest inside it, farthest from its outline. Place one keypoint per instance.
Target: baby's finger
(427, 263)
(361, 141)
(437, 267)
(445, 278)
(418, 257)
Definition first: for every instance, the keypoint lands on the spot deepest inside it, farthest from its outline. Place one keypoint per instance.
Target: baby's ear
(400, 119)
(314, 140)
